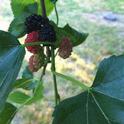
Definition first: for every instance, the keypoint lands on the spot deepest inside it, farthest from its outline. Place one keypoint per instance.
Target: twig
(45, 16)
(43, 8)
(43, 72)
(56, 53)
(43, 11)
(53, 69)
(44, 67)
(37, 43)
(57, 16)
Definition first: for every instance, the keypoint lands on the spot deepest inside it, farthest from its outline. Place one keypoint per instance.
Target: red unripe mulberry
(65, 48)
(35, 62)
(32, 37)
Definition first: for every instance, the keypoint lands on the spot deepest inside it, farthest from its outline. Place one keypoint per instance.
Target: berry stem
(53, 69)
(43, 8)
(57, 16)
(37, 43)
(44, 67)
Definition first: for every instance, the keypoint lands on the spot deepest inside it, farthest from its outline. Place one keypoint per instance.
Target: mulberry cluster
(39, 29)
(65, 48)
(36, 61)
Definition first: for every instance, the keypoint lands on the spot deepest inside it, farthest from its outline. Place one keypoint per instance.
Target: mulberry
(35, 22)
(65, 48)
(47, 33)
(35, 62)
(33, 37)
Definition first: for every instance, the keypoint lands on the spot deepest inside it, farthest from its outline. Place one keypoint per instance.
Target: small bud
(65, 48)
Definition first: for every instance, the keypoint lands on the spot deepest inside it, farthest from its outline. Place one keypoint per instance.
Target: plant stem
(50, 53)
(37, 43)
(43, 8)
(57, 16)
(43, 11)
(44, 68)
(53, 69)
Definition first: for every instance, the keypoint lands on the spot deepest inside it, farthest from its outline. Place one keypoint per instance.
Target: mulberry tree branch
(43, 8)
(53, 69)
(43, 11)
(50, 53)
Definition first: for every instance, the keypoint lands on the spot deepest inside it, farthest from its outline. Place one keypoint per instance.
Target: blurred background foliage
(103, 20)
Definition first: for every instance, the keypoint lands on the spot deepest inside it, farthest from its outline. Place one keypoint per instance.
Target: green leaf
(74, 81)
(32, 8)
(17, 26)
(23, 6)
(76, 37)
(20, 97)
(38, 94)
(11, 57)
(25, 83)
(110, 75)
(103, 104)
(7, 114)
(53, 1)
(26, 6)
(49, 7)
(22, 83)
(27, 73)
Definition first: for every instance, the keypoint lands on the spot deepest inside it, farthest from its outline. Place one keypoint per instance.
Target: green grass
(115, 5)
(93, 5)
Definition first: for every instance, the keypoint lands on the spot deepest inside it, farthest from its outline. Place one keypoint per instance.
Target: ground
(106, 37)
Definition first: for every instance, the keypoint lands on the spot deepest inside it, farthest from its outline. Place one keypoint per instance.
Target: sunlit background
(103, 20)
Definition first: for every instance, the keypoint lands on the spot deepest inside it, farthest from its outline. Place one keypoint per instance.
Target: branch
(50, 53)
(53, 69)
(57, 16)
(43, 8)
(45, 66)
